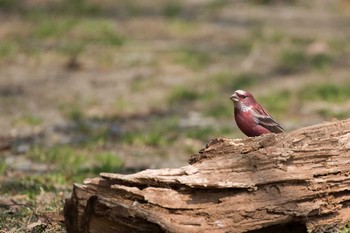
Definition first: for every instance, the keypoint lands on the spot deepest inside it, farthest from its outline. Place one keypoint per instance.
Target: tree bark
(289, 182)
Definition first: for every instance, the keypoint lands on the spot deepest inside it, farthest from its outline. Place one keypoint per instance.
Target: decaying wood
(290, 182)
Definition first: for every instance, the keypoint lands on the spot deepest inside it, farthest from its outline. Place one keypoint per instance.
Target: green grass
(71, 164)
(80, 7)
(62, 8)
(73, 48)
(110, 37)
(90, 135)
(234, 81)
(154, 139)
(157, 133)
(67, 164)
(220, 110)
(9, 4)
(163, 132)
(3, 167)
(201, 133)
(66, 35)
(296, 60)
(192, 58)
(8, 49)
(301, 41)
(327, 113)
(172, 9)
(206, 133)
(321, 61)
(215, 5)
(30, 203)
(100, 31)
(28, 119)
(64, 156)
(261, 35)
(339, 44)
(10, 221)
(183, 94)
(277, 103)
(329, 92)
(121, 104)
(91, 131)
(87, 32)
(271, 2)
(180, 26)
(244, 80)
(29, 185)
(72, 111)
(107, 162)
(291, 61)
(346, 228)
(53, 28)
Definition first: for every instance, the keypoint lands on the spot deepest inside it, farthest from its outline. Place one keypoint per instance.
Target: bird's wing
(263, 118)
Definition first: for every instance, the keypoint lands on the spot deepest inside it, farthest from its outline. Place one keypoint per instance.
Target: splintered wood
(289, 182)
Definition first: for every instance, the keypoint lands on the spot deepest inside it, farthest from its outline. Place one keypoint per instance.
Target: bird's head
(244, 98)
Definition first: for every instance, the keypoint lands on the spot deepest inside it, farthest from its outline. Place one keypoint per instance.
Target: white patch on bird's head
(241, 92)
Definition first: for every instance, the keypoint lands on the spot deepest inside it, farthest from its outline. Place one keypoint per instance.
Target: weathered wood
(289, 182)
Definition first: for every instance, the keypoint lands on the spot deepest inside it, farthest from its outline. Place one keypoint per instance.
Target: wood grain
(289, 182)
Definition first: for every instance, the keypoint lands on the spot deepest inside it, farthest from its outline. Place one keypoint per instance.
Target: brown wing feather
(263, 118)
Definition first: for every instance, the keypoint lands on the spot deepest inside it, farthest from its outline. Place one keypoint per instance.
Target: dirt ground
(92, 86)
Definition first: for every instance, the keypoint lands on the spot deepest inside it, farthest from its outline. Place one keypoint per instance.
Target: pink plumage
(251, 118)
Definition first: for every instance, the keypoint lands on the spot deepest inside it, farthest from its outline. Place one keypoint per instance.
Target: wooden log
(290, 182)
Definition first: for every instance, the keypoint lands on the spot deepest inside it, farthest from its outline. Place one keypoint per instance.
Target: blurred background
(119, 86)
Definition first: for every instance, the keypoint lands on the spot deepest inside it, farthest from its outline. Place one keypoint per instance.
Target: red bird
(251, 118)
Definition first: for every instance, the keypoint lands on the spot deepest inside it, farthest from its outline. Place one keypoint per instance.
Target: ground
(88, 86)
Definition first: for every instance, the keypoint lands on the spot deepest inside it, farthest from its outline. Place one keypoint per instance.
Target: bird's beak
(234, 97)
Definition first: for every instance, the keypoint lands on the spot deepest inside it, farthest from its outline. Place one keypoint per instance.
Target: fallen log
(290, 182)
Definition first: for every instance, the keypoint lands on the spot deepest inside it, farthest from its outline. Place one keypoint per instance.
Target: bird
(251, 118)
